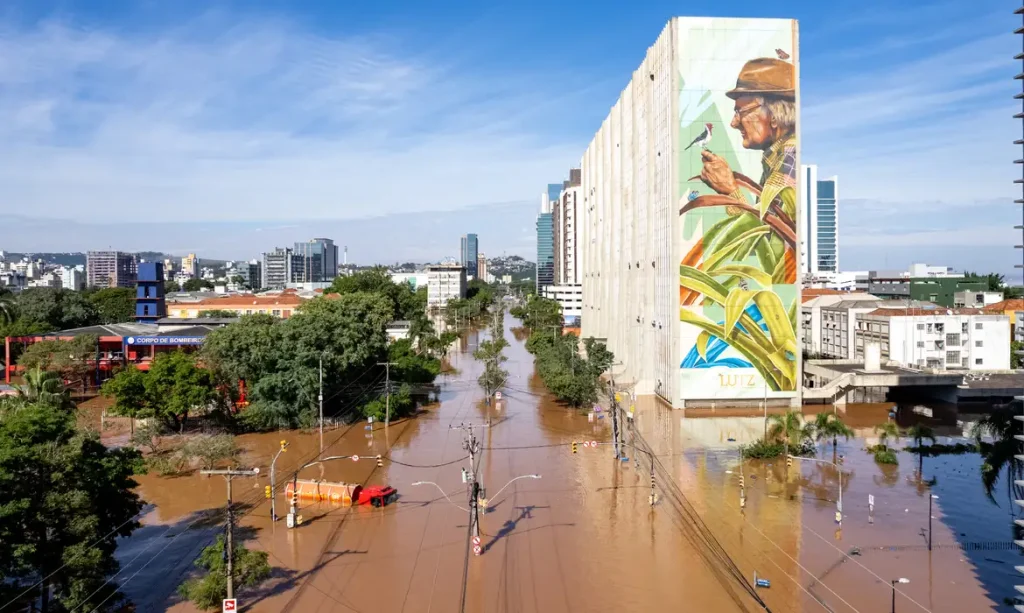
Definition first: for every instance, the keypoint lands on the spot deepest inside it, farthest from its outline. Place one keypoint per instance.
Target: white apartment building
(570, 298)
(72, 278)
(948, 339)
(445, 282)
(415, 280)
(565, 231)
(811, 320)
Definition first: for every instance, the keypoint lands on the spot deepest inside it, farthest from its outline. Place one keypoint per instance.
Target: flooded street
(583, 537)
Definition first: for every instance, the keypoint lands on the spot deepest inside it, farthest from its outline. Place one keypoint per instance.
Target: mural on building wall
(737, 196)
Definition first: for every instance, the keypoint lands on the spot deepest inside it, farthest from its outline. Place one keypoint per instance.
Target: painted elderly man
(765, 115)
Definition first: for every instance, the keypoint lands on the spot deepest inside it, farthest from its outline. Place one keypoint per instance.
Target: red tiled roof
(243, 301)
(1013, 304)
(810, 293)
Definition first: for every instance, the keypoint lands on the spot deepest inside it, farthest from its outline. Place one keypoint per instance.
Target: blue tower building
(149, 293)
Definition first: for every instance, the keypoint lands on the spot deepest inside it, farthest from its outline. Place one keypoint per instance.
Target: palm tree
(886, 432)
(918, 433)
(44, 387)
(789, 428)
(829, 426)
(1001, 453)
(6, 309)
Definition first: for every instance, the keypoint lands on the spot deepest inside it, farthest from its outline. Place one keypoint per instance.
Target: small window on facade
(978, 344)
(978, 362)
(977, 326)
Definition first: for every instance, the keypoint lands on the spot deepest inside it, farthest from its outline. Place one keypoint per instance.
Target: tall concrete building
(693, 282)
(72, 278)
(565, 231)
(469, 253)
(111, 269)
(445, 282)
(819, 212)
(190, 265)
(481, 267)
(278, 270)
(319, 260)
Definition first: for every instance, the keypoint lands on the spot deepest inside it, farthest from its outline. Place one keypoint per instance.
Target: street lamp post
(894, 582)
(930, 499)
(839, 501)
(273, 486)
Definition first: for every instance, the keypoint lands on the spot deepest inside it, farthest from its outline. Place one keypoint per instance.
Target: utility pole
(229, 541)
(387, 384)
(615, 418)
(320, 399)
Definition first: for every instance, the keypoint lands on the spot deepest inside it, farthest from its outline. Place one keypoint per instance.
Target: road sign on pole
(477, 550)
(593, 443)
(229, 604)
(476, 541)
(497, 395)
(355, 458)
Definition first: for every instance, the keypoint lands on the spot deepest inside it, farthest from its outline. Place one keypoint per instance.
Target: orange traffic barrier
(308, 489)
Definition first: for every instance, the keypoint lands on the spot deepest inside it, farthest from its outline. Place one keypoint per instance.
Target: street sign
(764, 583)
(229, 604)
(593, 443)
(477, 550)
(590, 417)
(355, 458)
(476, 541)
(871, 500)
(497, 395)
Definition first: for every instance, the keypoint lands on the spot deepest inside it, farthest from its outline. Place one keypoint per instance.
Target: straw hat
(765, 76)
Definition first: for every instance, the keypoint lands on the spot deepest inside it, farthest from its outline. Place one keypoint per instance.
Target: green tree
(113, 304)
(829, 426)
(249, 569)
(58, 308)
(174, 387)
(790, 429)
(887, 431)
(45, 388)
(572, 378)
(196, 285)
(72, 359)
(170, 285)
(1001, 425)
(995, 281)
(412, 366)
(539, 314)
(64, 500)
(1016, 354)
(405, 302)
(7, 309)
(219, 313)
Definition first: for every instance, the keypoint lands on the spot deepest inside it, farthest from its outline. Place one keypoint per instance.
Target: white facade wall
(627, 227)
(970, 342)
(568, 236)
(72, 278)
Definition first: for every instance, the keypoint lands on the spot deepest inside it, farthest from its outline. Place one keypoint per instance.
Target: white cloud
(257, 120)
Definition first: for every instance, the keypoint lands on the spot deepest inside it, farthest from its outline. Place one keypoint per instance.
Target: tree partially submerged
(249, 569)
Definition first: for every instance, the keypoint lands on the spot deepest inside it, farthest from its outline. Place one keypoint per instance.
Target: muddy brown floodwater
(582, 538)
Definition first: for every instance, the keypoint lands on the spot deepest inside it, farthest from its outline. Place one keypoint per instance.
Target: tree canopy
(64, 500)
(113, 304)
(249, 569)
(57, 309)
(174, 387)
(71, 358)
(196, 285)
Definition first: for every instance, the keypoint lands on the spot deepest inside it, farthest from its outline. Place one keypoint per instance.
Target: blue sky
(126, 121)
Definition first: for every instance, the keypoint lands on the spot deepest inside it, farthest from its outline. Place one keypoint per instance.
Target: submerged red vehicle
(376, 495)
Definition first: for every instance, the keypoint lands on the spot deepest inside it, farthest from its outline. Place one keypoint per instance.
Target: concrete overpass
(830, 381)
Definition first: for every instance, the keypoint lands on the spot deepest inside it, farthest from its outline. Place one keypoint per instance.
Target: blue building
(819, 218)
(149, 293)
(469, 252)
(546, 237)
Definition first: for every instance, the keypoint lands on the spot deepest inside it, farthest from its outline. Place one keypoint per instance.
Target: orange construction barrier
(309, 489)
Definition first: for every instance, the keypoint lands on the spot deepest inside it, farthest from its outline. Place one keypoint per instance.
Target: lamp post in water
(894, 582)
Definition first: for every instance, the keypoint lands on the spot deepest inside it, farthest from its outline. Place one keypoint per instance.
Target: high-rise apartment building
(278, 270)
(819, 212)
(190, 265)
(469, 252)
(445, 282)
(111, 269)
(481, 267)
(72, 278)
(319, 260)
(565, 231)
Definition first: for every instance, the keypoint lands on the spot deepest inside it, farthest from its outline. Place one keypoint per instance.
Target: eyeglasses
(744, 111)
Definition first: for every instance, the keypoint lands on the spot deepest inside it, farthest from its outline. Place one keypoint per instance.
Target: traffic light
(574, 447)
(380, 461)
(741, 480)
(266, 491)
(789, 460)
(284, 445)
